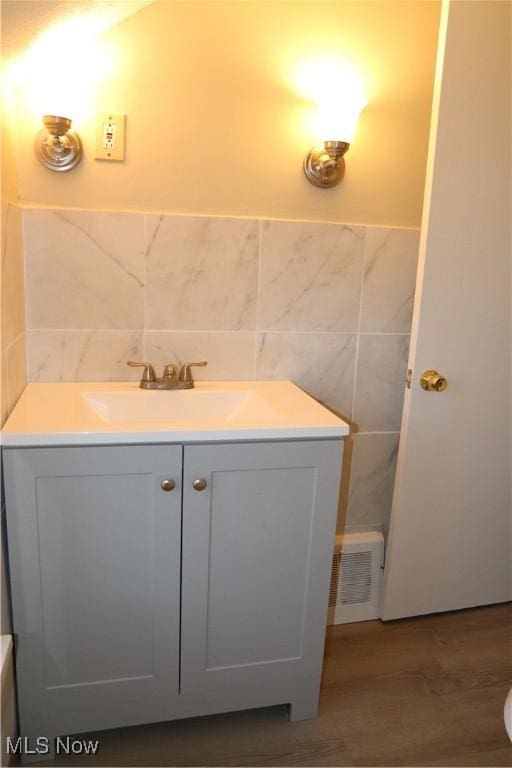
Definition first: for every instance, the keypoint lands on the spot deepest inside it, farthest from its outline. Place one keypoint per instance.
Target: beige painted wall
(216, 125)
(8, 161)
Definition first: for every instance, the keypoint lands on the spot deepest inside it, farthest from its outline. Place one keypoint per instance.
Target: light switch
(110, 133)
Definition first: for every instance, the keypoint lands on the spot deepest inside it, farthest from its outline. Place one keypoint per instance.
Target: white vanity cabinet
(134, 604)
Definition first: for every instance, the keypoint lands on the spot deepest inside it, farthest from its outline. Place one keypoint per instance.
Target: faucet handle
(185, 374)
(149, 371)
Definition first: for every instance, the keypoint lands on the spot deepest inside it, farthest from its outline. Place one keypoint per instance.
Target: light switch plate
(110, 136)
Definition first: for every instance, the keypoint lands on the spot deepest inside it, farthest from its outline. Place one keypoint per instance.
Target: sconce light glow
(54, 82)
(58, 73)
(337, 121)
(338, 94)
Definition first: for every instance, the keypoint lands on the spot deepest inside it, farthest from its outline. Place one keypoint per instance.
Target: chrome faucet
(170, 378)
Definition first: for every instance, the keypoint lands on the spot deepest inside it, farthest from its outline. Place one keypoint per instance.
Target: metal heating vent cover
(356, 575)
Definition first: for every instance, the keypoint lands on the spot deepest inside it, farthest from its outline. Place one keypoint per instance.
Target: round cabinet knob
(168, 485)
(432, 381)
(199, 484)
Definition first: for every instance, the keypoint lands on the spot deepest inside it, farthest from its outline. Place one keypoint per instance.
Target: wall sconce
(57, 147)
(326, 167)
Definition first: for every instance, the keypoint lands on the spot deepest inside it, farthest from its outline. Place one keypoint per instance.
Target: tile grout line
(7, 388)
(224, 331)
(258, 285)
(25, 292)
(145, 318)
(358, 333)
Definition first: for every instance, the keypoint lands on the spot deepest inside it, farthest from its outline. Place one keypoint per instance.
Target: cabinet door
(94, 549)
(257, 555)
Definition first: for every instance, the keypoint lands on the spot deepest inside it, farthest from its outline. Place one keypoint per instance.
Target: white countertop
(65, 414)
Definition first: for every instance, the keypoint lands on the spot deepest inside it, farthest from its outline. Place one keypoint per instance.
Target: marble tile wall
(326, 305)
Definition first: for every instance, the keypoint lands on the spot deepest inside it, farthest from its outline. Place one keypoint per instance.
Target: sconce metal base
(56, 146)
(326, 167)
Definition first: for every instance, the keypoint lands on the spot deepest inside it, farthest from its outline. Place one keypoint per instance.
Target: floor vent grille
(356, 576)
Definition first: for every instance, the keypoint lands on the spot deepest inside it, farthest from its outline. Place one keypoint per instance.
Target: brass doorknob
(168, 485)
(432, 381)
(199, 484)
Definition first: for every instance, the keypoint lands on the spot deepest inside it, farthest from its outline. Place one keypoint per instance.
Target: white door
(450, 533)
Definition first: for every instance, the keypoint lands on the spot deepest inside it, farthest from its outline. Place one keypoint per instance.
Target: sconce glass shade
(338, 121)
(57, 147)
(336, 124)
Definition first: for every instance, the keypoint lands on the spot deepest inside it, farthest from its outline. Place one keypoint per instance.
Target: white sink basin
(190, 405)
(108, 413)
